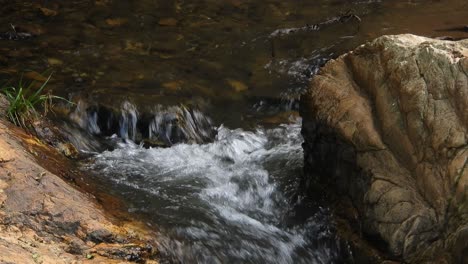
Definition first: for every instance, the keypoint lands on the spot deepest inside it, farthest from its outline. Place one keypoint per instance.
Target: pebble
(54, 62)
(115, 22)
(169, 22)
(48, 12)
(39, 176)
(173, 85)
(238, 86)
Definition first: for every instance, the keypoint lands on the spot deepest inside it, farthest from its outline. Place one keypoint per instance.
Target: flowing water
(187, 110)
(223, 202)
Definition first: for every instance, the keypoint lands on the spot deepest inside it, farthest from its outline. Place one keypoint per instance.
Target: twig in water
(316, 27)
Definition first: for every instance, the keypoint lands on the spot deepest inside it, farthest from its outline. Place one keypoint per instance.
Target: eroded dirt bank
(44, 219)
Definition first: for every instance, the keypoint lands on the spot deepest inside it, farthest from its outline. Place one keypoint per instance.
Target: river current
(228, 201)
(187, 111)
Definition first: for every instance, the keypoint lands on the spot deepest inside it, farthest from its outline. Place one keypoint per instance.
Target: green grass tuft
(24, 101)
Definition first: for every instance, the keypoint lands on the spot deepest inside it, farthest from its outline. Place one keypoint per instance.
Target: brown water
(176, 71)
(215, 54)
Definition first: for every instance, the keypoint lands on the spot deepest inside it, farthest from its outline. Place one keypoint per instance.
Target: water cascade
(228, 201)
(163, 126)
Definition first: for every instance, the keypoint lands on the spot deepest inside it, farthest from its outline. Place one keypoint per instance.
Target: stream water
(228, 201)
(187, 110)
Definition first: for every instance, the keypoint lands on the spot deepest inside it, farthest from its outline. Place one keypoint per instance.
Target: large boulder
(385, 129)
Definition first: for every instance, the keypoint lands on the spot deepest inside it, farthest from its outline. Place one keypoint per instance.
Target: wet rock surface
(43, 219)
(385, 130)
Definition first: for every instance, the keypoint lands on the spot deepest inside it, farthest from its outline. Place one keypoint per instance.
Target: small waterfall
(128, 121)
(159, 126)
(178, 122)
(85, 119)
(222, 202)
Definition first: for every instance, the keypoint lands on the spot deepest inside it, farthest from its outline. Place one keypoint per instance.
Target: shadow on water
(160, 87)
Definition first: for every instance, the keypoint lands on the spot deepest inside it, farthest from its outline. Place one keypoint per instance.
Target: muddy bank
(44, 219)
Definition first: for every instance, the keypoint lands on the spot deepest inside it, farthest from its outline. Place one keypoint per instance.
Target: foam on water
(222, 202)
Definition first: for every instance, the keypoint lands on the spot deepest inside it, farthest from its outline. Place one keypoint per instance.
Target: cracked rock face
(385, 130)
(44, 219)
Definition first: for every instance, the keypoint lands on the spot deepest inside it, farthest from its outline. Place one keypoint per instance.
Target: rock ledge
(43, 219)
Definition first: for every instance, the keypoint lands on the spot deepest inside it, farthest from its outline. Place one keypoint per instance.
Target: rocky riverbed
(385, 130)
(184, 129)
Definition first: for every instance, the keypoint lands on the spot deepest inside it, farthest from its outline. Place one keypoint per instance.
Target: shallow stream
(187, 110)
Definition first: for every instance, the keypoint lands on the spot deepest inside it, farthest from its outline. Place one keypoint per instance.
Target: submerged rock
(385, 129)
